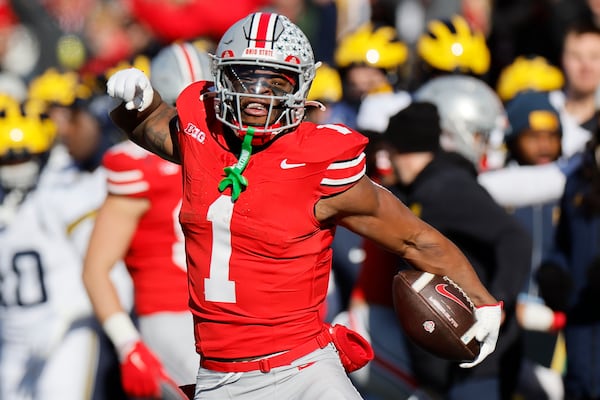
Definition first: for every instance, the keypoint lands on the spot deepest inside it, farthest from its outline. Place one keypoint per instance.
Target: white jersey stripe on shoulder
(128, 188)
(344, 181)
(124, 176)
(347, 164)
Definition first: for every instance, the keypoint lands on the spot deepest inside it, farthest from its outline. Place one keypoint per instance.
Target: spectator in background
(534, 138)
(577, 102)
(138, 223)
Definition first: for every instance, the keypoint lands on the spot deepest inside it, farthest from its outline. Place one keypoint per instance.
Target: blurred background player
(51, 345)
(472, 118)
(534, 138)
(138, 223)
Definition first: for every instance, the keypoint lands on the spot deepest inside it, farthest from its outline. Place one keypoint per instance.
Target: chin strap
(233, 173)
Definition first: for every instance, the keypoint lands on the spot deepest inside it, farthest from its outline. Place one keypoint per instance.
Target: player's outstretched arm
(142, 115)
(375, 213)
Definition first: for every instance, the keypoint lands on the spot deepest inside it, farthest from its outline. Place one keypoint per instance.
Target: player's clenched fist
(132, 86)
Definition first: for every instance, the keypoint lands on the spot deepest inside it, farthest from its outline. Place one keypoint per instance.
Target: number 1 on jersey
(218, 287)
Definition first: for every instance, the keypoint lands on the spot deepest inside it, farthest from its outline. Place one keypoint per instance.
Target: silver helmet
(472, 115)
(176, 66)
(259, 44)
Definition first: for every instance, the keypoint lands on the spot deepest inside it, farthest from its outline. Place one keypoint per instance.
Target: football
(436, 314)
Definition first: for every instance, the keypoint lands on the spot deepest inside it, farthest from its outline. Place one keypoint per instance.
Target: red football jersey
(156, 255)
(259, 267)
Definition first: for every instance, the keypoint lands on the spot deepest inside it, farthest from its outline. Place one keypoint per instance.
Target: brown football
(436, 314)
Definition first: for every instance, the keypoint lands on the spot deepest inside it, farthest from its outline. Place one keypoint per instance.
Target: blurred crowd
(482, 117)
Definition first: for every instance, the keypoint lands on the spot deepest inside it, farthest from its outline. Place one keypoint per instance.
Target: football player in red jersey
(263, 191)
(138, 223)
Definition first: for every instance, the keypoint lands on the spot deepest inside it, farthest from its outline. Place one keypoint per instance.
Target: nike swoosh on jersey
(441, 289)
(285, 165)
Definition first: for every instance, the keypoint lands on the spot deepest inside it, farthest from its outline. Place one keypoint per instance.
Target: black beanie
(416, 128)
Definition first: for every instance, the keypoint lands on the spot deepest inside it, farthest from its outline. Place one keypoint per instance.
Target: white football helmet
(472, 116)
(254, 47)
(177, 66)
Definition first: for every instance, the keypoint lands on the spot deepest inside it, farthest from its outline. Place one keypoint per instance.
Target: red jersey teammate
(262, 194)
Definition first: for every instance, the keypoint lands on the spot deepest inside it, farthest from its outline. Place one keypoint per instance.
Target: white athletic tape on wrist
(121, 331)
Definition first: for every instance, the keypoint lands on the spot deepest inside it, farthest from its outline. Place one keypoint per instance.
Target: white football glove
(488, 326)
(132, 86)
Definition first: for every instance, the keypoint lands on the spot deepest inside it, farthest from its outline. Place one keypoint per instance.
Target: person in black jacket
(441, 188)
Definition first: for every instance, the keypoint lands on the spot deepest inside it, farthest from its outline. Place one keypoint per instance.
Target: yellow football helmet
(452, 46)
(376, 46)
(24, 131)
(528, 73)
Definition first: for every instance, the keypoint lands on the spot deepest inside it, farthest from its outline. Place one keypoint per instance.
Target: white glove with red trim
(488, 318)
(132, 86)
